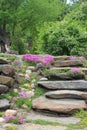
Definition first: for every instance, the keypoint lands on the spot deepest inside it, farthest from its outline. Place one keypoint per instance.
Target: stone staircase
(66, 92)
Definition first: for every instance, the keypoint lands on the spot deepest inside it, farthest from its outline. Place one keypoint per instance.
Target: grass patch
(43, 122)
(8, 56)
(9, 95)
(11, 128)
(21, 101)
(82, 124)
(49, 72)
(1, 114)
(39, 91)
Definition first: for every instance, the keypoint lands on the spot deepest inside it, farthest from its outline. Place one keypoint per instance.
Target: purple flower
(46, 59)
(75, 57)
(27, 77)
(75, 70)
(72, 57)
(21, 120)
(8, 118)
(23, 95)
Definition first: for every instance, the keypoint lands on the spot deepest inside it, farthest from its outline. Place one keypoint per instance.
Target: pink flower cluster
(75, 57)
(46, 59)
(10, 118)
(23, 95)
(75, 70)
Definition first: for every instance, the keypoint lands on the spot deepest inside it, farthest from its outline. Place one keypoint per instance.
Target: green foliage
(11, 128)
(82, 124)
(38, 92)
(20, 101)
(1, 114)
(18, 45)
(43, 122)
(8, 57)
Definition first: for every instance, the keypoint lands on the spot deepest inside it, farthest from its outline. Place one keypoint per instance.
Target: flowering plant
(76, 73)
(14, 119)
(46, 59)
(75, 70)
(75, 57)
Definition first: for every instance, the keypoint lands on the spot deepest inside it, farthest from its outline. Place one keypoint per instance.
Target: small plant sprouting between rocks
(75, 72)
(11, 128)
(14, 119)
(1, 114)
(43, 122)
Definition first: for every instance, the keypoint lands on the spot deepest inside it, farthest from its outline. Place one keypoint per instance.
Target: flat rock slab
(59, 94)
(67, 63)
(3, 88)
(4, 104)
(68, 68)
(40, 127)
(62, 120)
(65, 76)
(61, 57)
(65, 106)
(64, 85)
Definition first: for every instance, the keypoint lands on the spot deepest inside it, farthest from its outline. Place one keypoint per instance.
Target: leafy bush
(62, 38)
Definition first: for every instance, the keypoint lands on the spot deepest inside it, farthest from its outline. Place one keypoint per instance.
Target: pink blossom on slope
(75, 70)
(47, 59)
(75, 57)
(23, 95)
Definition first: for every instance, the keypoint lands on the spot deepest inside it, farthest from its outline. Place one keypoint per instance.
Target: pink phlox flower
(23, 95)
(27, 77)
(21, 120)
(8, 118)
(75, 70)
(47, 59)
(75, 57)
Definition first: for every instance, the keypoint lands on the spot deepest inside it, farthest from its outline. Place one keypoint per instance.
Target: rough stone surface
(43, 79)
(67, 63)
(4, 60)
(32, 68)
(61, 57)
(68, 68)
(2, 120)
(65, 76)
(4, 104)
(59, 94)
(3, 88)
(6, 80)
(10, 112)
(40, 127)
(63, 120)
(64, 85)
(65, 106)
(8, 70)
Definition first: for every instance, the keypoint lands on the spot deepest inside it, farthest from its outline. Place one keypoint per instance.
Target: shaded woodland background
(49, 26)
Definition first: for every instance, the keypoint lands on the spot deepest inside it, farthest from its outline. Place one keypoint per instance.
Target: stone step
(60, 94)
(64, 85)
(65, 76)
(65, 106)
(67, 63)
(67, 68)
(61, 57)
